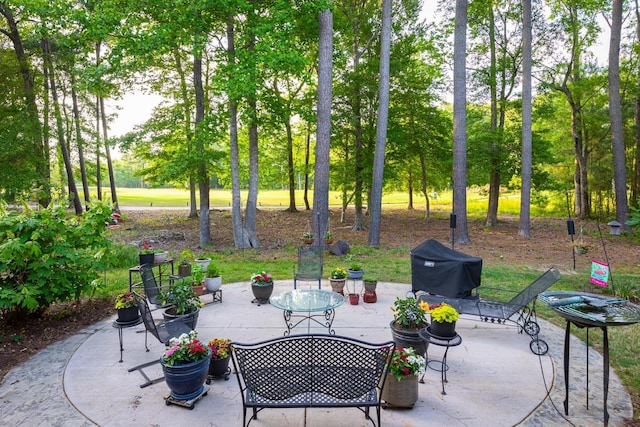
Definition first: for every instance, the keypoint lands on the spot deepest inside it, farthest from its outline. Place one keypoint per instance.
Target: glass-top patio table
(309, 304)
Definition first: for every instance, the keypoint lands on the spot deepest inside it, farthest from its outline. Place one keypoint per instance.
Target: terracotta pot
(354, 299)
(369, 297)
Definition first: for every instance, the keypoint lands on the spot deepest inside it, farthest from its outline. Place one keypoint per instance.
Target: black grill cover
(440, 270)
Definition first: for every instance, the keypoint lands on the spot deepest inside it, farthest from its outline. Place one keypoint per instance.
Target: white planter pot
(213, 283)
(159, 258)
(203, 262)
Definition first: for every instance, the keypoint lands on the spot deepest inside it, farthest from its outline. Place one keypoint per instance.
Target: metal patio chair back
(310, 265)
(151, 288)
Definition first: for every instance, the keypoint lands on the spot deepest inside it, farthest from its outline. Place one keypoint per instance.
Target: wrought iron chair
(163, 331)
(151, 288)
(309, 265)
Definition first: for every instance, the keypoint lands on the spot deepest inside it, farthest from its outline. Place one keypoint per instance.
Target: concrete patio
(494, 379)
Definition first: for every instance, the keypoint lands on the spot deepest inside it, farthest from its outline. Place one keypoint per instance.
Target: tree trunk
(375, 205)
(193, 209)
(240, 239)
(494, 159)
(73, 192)
(80, 143)
(290, 171)
(204, 225)
(423, 179)
(251, 210)
(39, 144)
(323, 130)
(527, 160)
(112, 177)
(615, 115)
(461, 233)
(307, 155)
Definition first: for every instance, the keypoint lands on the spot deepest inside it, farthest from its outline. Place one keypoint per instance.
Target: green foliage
(213, 270)
(634, 216)
(409, 314)
(182, 297)
(443, 313)
(47, 256)
(121, 255)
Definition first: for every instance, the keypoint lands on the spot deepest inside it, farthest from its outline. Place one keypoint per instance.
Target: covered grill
(440, 270)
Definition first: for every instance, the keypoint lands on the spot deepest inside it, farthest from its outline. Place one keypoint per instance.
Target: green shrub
(49, 256)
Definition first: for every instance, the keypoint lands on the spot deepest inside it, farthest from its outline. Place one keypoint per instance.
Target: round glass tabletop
(307, 300)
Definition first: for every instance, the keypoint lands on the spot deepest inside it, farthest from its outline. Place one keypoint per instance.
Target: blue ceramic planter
(186, 381)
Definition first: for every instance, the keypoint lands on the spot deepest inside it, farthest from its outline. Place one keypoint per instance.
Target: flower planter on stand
(213, 284)
(219, 368)
(408, 338)
(128, 315)
(186, 381)
(401, 394)
(337, 285)
(443, 329)
(262, 293)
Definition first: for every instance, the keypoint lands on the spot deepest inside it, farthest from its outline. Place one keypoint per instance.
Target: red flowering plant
(404, 362)
(186, 348)
(219, 348)
(261, 279)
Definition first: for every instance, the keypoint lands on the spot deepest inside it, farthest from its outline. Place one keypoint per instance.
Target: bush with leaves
(49, 255)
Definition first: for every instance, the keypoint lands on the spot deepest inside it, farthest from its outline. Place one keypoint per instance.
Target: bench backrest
(281, 368)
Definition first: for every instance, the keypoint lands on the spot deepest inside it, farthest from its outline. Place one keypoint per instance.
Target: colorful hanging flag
(599, 273)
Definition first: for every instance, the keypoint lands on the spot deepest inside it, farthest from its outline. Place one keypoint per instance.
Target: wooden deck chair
(163, 331)
(309, 265)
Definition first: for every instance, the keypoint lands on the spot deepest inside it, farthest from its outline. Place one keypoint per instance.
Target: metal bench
(320, 370)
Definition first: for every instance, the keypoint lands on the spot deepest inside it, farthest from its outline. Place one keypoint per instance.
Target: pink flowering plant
(186, 348)
(261, 279)
(404, 362)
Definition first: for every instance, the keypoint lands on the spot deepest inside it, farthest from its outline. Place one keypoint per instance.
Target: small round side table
(447, 342)
(120, 326)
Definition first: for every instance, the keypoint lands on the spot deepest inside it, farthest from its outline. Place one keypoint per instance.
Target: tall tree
(461, 233)
(34, 136)
(615, 114)
(323, 131)
(525, 194)
(381, 131)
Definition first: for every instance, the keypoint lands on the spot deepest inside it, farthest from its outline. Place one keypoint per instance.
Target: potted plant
(127, 309)
(307, 237)
(405, 366)
(409, 317)
(443, 320)
(355, 271)
(337, 278)
(160, 256)
(369, 295)
(185, 364)
(184, 267)
(212, 279)
(220, 352)
(203, 261)
(183, 302)
(261, 286)
(146, 254)
(328, 237)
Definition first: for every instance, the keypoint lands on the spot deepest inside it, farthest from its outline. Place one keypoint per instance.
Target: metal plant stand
(446, 342)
